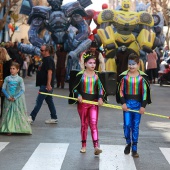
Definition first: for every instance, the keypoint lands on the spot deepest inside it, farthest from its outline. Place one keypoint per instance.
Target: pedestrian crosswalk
(112, 158)
(166, 153)
(47, 156)
(51, 156)
(3, 145)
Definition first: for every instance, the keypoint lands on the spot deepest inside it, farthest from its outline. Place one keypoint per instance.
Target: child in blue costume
(14, 114)
(133, 93)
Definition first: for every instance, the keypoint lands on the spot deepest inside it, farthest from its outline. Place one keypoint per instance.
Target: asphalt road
(57, 146)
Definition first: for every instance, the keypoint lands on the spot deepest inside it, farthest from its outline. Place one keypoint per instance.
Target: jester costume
(135, 92)
(90, 88)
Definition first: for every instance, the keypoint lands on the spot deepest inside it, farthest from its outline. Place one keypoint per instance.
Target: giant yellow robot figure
(120, 38)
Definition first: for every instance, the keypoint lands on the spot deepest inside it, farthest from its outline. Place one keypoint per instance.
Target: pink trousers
(89, 116)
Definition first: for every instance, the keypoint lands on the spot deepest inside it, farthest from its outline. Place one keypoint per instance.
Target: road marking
(113, 158)
(3, 145)
(166, 153)
(164, 126)
(47, 156)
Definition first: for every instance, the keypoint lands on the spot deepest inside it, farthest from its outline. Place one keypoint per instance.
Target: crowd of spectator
(155, 63)
(25, 61)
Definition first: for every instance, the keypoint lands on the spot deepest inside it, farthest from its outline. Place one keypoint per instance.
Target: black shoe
(127, 149)
(135, 154)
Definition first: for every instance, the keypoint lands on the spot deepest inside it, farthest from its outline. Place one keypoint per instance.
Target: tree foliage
(17, 18)
(5, 7)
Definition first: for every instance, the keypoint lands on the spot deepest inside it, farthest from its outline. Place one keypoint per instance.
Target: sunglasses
(42, 50)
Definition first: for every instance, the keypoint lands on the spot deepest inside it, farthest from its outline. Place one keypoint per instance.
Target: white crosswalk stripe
(166, 153)
(114, 159)
(50, 156)
(3, 145)
(47, 156)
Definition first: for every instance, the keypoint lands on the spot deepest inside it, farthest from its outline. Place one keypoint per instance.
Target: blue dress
(14, 114)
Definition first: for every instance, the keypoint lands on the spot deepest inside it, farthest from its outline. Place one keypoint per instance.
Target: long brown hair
(4, 55)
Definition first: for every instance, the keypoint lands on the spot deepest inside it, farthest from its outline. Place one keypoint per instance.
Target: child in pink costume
(88, 86)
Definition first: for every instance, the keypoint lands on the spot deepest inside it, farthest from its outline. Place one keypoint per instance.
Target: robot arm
(33, 34)
(36, 27)
(36, 21)
(85, 3)
(105, 16)
(82, 34)
(147, 38)
(76, 12)
(105, 35)
(37, 18)
(29, 49)
(79, 42)
(145, 18)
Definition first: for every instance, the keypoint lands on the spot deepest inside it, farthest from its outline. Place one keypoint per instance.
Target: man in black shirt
(45, 79)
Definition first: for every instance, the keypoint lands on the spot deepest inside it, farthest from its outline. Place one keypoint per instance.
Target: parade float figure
(157, 28)
(158, 21)
(92, 15)
(56, 20)
(120, 42)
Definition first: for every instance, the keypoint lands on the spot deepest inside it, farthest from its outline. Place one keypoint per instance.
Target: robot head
(55, 4)
(142, 7)
(125, 5)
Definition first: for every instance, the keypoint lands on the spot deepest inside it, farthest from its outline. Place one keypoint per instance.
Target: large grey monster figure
(56, 20)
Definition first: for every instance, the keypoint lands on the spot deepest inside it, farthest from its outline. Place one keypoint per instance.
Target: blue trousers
(131, 123)
(39, 102)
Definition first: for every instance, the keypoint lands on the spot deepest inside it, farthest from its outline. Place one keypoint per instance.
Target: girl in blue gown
(14, 114)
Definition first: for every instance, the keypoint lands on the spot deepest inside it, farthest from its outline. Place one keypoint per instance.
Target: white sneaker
(51, 121)
(30, 119)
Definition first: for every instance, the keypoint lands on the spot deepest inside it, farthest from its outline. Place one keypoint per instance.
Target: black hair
(87, 56)
(49, 48)
(93, 44)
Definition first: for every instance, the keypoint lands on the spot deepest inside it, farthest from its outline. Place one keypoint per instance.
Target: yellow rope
(104, 104)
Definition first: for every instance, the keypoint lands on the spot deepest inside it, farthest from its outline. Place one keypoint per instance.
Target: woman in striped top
(88, 86)
(133, 93)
